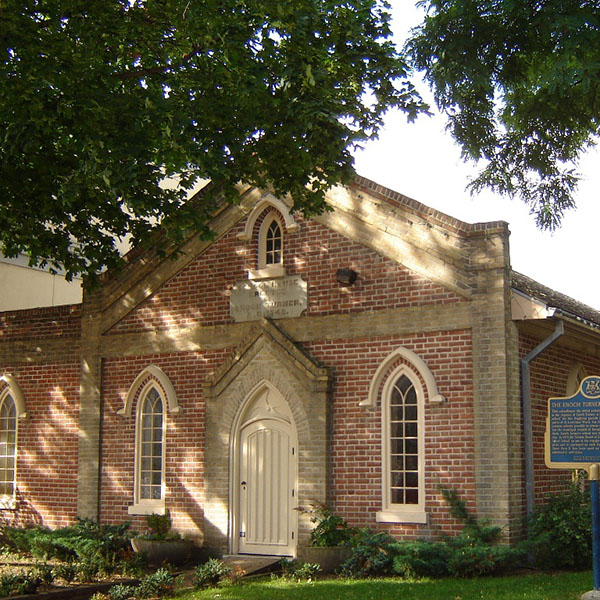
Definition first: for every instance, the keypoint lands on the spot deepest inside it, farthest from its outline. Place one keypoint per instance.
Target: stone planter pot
(175, 552)
(329, 558)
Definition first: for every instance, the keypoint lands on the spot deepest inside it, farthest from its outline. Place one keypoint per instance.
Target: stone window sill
(157, 508)
(396, 516)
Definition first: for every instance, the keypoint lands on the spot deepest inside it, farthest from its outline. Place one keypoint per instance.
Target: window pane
(397, 463)
(397, 446)
(273, 244)
(411, 446)
(412, 480)
(412, 496)
(410, 413)
(8, 449)
(410, 430)
(412, 463)
(403, 443)
(397, 496)
(151, 446)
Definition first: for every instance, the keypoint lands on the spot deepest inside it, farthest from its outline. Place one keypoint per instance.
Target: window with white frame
(8, 446)
(403, 487)
(270, 247)
(152, 394)
(150, 450)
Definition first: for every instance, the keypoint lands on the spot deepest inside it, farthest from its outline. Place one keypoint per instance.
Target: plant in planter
(160, 544)
(329, 544)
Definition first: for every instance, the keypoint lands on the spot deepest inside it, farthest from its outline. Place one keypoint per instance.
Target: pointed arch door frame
(263, 475)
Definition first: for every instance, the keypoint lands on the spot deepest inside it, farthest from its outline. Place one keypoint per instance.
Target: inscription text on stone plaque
(284, 297)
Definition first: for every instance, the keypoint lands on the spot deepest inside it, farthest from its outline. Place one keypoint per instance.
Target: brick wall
(47, 444)
(54, 322)
(48, 435)
(184, 440)
(199, 294)
(356, 431)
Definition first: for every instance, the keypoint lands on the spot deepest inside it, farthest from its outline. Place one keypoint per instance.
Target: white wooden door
(266, 479)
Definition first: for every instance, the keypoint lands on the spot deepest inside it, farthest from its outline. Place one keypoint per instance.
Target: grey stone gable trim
(553, 299)
(287, 349)
(395, 197)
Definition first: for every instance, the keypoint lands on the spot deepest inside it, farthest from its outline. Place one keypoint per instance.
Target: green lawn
(563, 586)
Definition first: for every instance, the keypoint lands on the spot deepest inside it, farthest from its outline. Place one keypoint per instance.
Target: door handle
(243, 483)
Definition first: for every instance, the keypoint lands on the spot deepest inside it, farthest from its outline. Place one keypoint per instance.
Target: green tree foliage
(519, 82)
(101, 100)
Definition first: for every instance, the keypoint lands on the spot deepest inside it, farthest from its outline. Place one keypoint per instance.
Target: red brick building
(361, 358)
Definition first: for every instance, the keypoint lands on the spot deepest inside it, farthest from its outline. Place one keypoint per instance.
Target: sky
(420, 160)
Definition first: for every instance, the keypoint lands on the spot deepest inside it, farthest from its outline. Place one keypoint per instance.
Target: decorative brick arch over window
(276, 224)
(12, 408)
(153, 395)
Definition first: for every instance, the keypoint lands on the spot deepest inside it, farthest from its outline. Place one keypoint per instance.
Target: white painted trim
(158, 374)
(17, 395)
(12, 389)
(403, 511)
(268, 200)
(149, 506)
(421, 367)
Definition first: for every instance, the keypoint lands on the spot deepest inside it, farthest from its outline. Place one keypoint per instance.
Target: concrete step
(252, 564)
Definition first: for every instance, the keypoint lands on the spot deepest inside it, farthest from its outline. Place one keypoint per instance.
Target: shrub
(421, 558)
(210, 573)
(13, 584)
(159, 528)
(330, 529)
(560, 531)
(45, 572)
(473, 553)
(84, 539)
(372, 554)
(298, 571)
(157, 585)
(65, 571)
(121, 592)
(476, 559)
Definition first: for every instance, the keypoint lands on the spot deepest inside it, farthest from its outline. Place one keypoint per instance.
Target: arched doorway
(264, 476)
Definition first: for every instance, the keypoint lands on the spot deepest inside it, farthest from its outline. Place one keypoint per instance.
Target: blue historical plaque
(573, 428)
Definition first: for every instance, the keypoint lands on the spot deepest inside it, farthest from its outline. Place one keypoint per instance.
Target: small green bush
(298, 570)
(157, 585)
(65, 571)
(560, 531)
(210, 573)
(475, 560)
(421, 558)
(372, 554)
(330, 529)
(159, 528)
(45, 572)
(121, 592)
(18, 584)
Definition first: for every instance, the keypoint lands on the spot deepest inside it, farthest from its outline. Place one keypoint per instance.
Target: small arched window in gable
(270, 248)
(273, 252)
